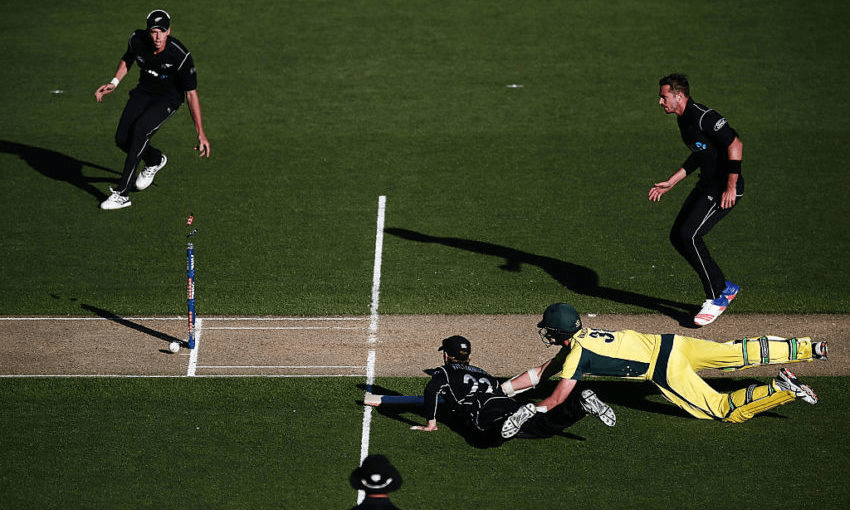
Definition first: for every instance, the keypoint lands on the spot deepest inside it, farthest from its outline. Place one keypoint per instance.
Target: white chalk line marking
(373, 333)
(161, 376)
(193, 355)
(360, 367)
(272, 328)
(183, 318)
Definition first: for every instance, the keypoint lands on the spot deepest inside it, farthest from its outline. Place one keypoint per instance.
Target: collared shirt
(623, 353)
(170, 73)
(708, 135)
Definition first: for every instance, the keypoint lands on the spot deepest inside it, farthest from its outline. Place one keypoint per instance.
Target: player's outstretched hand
(659, 189)
(102, 91)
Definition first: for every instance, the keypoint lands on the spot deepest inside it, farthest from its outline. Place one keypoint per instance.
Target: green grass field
(265, 443)
(515, 144)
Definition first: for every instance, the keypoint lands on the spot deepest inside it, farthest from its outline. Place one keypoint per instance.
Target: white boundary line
(373, 334)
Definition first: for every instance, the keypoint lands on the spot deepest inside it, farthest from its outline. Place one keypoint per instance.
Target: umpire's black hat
(375, 476)
(159, 19)
(457, 347)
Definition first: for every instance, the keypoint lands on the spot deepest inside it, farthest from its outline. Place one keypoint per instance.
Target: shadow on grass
(579, 279)
(636, 395)
(448, 418)
(132, 325)
(58, 166)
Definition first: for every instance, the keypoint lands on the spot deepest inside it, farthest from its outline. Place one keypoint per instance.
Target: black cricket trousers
(143, 115)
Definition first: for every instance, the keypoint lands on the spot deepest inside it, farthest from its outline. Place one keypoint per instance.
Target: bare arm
(195, 112)
(108, 88)
(736, 153)
(559, 395)
(526, 380)
(661, 188)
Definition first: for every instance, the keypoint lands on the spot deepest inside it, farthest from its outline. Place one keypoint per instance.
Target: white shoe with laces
(512, 425)
(115, 201)
(788, 382)
(711, 310)
(145, 177)
(595, 407)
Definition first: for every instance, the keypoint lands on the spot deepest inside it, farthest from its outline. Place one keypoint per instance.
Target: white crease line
(361, 367)
(373, 334)
(295, 328)
(193, 356)
(183, 318)
(130, 376)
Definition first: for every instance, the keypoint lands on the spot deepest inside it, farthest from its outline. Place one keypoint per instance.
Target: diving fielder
(488, 414)
(671, 362)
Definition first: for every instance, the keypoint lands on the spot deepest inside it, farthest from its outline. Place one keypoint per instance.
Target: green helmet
(560, 322)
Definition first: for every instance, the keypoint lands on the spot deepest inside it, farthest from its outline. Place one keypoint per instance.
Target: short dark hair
(678, 83)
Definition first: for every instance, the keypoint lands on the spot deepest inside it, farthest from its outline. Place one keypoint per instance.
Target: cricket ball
(174, 346)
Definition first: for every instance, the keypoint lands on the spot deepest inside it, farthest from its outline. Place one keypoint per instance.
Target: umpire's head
(375, 476)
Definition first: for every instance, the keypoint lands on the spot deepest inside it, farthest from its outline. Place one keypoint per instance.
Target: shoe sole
(704, 319)
(799, 389)
(825, 354)
(113, 208)
(159, 167)
(512, 425)
(730, 297)
(595, 407)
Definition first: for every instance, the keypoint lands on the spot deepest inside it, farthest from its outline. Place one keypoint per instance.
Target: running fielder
(717, 151)
(671, 362)
(166, 77)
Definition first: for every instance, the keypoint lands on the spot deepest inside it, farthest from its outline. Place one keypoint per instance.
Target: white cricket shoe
(512, 425)
(115, 201)
(787, 381)
(145, 177)
(711, 310)
(820, 350)
(595, 407)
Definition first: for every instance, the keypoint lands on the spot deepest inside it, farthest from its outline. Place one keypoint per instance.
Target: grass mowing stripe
(286, 443)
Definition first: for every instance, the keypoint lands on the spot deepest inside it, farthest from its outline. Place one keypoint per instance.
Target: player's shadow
(60, 167)
(644, 396)
(579, 279)
(396, 411)
(100, 312)
(447, 418)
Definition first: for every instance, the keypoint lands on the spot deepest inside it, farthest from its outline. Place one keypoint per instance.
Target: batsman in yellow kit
(671, 362)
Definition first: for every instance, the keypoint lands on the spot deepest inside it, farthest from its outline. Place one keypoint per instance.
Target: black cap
(457, 347)
(159, 19)
(375, 476)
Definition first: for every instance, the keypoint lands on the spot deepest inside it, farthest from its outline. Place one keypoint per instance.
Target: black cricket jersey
(170, 73)
(708, 135)
(469, 390)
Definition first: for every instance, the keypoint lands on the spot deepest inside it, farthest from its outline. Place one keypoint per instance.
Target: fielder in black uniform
(717, 151)
(487, 413)
(166, 75)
